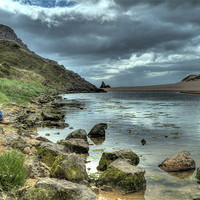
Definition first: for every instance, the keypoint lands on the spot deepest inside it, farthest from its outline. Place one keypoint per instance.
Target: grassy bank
(19, 91)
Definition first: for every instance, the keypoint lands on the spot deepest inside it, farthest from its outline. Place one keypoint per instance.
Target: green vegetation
(13, 172)
(13, 90)
(47, 155)
(18, 63)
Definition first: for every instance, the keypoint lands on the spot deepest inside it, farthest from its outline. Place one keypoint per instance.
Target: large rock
(63, 189)
(29, 119)
(109, 157)
(76, 145)
(179, 162)
(16, 142)
(123, 176)
(98, 130)
(48, 151)
(52, 115)
(71, 167)
(80, 134)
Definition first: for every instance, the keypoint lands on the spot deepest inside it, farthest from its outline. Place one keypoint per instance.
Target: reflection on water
(182, 175)
(97, 141)
(169, 123)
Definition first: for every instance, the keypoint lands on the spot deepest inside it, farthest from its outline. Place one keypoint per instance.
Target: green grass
(19, 91)
(13, 173)
(18, 58)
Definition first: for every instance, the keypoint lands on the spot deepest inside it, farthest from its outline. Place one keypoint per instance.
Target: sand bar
(183, 86)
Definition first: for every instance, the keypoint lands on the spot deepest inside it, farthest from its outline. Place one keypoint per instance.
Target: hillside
(17, 62)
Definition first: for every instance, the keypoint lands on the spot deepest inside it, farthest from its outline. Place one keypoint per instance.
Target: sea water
(168, 121)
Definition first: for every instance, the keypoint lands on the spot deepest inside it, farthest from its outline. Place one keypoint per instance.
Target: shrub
(13, 172)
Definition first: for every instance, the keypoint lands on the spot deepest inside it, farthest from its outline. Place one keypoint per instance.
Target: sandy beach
(183, 86)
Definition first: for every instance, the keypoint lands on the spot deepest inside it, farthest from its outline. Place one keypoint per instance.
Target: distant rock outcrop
(103, 85)
(191, 78)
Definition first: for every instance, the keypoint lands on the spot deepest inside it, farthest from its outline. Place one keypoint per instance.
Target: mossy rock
(37, 193)
(123, 176)
(198, 174)
(47, 156)
(48, 151)
(76, 145)
(16, 142)
(108, 157)
(71, 167)
(64, 190)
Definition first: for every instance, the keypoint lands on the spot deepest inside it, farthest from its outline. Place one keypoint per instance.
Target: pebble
(27, 150)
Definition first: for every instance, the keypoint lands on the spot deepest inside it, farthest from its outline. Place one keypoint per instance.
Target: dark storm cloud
(172, 3)
(97, 36)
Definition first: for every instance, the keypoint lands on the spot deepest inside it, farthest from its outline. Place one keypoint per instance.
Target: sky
(120, 42)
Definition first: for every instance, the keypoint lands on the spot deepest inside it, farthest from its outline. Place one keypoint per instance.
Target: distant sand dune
(183, 86)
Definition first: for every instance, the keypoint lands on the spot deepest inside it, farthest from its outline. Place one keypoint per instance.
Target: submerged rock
(63, 189)
(98, 130)
(143, 141)
(71, 167)
(179, 162)
(76, 145)
(108, 157)
(123, 176)
(80, 134)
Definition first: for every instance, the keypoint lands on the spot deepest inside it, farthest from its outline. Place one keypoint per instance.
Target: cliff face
(6, 33)
(23, 64)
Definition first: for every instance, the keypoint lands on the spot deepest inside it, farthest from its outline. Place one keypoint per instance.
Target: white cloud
(102, 10)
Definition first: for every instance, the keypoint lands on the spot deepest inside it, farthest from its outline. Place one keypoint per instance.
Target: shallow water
(169, 122)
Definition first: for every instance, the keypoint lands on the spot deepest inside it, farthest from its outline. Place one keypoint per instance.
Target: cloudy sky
(123, 42)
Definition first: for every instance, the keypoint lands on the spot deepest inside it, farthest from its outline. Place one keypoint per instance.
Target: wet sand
(184, 86)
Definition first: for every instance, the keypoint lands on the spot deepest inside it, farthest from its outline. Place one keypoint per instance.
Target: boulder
(98, 130)
(109, 157)
(71, 167)
(30, 119)
(16, 142)
(177, 163)
(48, 151)
(76, 145)
(63, 189)
(80, 134)
(52, 115)
(123, 176)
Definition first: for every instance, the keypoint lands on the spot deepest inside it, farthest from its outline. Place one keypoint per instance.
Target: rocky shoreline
(60, 168)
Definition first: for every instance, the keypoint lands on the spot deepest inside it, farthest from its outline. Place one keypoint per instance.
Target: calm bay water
(169, 122)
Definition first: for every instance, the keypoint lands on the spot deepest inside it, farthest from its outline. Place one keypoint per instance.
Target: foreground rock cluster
(60, 168)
